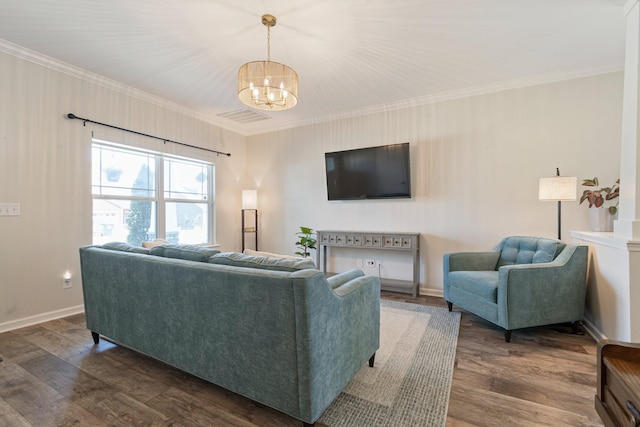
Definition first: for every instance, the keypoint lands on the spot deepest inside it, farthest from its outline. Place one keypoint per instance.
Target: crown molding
(484, 89)
(259, 128)
(97, 79)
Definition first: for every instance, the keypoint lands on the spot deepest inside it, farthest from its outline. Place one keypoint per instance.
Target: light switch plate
(9, 209)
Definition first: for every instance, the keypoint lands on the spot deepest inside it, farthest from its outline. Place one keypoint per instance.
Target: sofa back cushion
(528, 250)
(265, 263)
(188, 252)
(154, 243)
(251, 252)
(125, 247)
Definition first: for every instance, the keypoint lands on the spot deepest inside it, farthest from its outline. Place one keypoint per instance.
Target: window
(128, 207)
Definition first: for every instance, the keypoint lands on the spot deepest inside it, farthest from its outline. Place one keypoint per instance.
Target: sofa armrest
(471, 261)
(353, 284)
(342, 278)
(337, 332)
(543, 293)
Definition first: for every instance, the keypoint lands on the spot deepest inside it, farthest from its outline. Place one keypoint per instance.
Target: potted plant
(306, 241)
(601, 216)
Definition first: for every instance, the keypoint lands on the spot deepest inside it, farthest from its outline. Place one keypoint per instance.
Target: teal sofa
(523, 282)
(273, 330)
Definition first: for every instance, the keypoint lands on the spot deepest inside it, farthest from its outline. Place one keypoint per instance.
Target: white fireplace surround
(613, 290)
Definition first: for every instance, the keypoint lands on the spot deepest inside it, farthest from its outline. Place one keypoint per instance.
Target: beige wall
(45, 166)
(475, 168)
(475, 164)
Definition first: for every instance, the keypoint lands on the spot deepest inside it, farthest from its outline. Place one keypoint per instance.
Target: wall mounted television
(381, 172)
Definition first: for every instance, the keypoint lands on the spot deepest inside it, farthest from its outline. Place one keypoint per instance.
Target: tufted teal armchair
(523, 282)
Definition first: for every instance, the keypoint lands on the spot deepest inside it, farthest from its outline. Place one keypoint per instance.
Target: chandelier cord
(268, 43)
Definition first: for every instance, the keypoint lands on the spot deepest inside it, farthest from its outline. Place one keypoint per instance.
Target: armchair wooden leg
(507, 336)
(96, 337)
(450, 305)
(371, 360)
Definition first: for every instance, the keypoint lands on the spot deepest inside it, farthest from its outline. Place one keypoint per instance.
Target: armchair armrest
(543, 293)
(471, 261)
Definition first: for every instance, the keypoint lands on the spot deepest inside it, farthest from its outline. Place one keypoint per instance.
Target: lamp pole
(559, 210)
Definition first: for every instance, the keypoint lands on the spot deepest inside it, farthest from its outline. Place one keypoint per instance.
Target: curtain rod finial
(71, 116)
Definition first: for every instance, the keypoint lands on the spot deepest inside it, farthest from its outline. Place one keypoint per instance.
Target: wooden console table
(405, 242)
(618, 396)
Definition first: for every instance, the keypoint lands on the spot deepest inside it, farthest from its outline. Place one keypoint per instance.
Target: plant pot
(601, 219)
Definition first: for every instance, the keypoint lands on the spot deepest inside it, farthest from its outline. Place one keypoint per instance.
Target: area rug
(410, 382)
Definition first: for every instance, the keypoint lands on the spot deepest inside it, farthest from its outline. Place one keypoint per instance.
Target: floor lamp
(558, 189)
(249, 219)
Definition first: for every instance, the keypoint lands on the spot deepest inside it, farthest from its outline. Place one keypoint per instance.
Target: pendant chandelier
(268, 85)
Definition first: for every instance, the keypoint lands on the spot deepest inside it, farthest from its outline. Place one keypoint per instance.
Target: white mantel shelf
(606, 239)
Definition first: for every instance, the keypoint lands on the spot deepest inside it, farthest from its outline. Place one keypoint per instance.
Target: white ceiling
(352, 56)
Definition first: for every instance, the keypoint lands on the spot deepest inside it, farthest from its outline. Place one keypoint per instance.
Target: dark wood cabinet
(618, 396)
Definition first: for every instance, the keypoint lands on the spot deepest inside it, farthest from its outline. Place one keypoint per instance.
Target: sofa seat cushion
(188, 252)
(527, 250)
(483, 284)
(265, 263)
(125, 247)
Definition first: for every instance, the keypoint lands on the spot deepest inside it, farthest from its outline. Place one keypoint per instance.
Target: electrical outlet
(370, 263)
(66, 280)
(359, 263)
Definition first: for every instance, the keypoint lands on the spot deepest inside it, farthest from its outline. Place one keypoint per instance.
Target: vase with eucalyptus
(603, 203)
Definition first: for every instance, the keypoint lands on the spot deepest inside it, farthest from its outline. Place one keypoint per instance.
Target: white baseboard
(432, 292)
(592, 330)
(40, 318)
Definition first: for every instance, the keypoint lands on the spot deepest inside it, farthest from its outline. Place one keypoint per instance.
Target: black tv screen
(369, 173)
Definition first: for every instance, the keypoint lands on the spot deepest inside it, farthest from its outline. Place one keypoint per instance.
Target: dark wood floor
(545, 376)
(53, 375)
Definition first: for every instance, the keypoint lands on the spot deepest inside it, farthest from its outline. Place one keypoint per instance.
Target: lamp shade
(558, 188)
(268, 85)
(249, 199)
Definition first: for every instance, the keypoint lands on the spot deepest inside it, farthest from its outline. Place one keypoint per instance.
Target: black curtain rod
(73, 116)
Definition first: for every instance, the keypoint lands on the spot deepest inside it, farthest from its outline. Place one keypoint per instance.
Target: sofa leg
(450, 305)
(96, 337)
(371, 360)
(575, 327)
(308, 425)
(507, 336)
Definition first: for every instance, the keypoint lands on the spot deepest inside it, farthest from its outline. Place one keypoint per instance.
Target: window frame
(159, 181)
